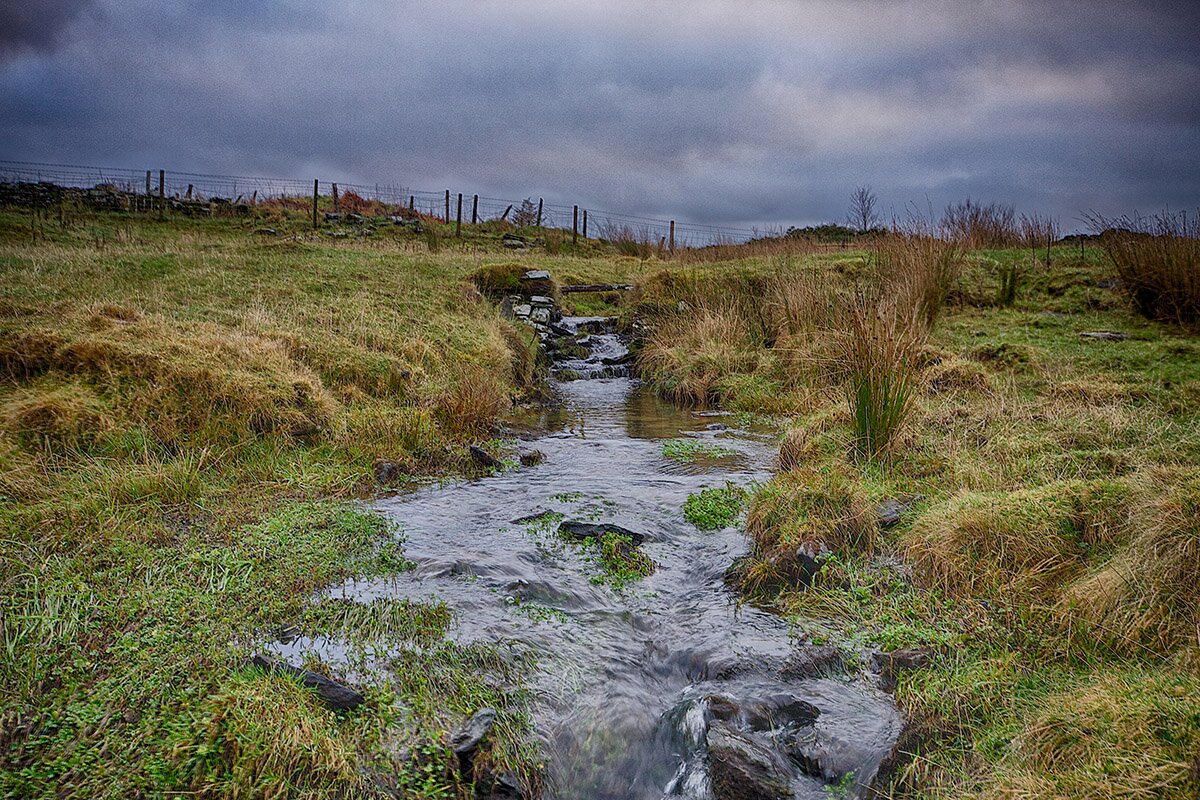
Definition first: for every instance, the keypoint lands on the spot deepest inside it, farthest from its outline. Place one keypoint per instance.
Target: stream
(665, 687)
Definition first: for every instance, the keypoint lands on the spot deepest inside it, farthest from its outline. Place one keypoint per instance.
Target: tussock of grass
(59, 415)
(692, 354)
(1146, 595)
(795, 448)
(824, 509)
(876, 357)
(1026, 543)
(733, 338)
(260, 736)
(956, 375)
(1122, 736)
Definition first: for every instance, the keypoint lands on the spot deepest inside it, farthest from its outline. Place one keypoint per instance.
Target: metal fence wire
(201, 187)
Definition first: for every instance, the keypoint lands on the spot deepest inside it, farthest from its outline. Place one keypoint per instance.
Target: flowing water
(627, 678)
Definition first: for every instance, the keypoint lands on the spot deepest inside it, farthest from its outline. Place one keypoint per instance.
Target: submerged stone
(573, 529)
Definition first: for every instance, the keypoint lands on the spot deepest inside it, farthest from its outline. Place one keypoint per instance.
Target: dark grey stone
(483, 458)
(333, 694)
(743, 768)
(596, 530)
(465, 741)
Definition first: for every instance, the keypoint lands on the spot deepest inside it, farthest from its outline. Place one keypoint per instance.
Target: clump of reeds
(920, 268)
(1158, 262)
(876, 355)
(695, 348)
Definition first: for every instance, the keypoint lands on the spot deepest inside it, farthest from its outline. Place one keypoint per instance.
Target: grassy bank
(190, 412)
(1046, 570)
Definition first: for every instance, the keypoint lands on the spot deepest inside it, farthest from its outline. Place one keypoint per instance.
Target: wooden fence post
(585, 223)
(315, 184)
(149, 202)
(162, 193)
(447, 217)
(539, 219)
(475, 210)
(458, 218)
(412, 202)
(672, 236)
(575, 226)
(189, 194)
(335, 199)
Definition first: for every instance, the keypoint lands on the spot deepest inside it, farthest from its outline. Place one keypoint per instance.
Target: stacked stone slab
(535, 304)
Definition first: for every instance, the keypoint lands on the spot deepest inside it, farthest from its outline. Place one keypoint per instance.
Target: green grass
(186, 410)
(692, 450)
(713, 509)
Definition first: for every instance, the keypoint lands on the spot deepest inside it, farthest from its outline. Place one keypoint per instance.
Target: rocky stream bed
(659, 687)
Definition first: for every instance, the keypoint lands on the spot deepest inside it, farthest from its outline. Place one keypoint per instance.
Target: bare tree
(861, 213)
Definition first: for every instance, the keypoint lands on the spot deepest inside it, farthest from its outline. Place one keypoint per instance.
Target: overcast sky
(722, 111)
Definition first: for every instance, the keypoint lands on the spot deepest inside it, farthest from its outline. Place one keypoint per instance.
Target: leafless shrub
(1157, 259)
(978, 225)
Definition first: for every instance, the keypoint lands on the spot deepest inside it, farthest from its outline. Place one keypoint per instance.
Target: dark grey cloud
(763, 112)
(36, 26)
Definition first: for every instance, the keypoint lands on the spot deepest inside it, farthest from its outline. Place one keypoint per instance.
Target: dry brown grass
(1158, 262)
(795, 449)
(692, 352)
(57, 415)
(769, 248)
(956, 374)
(1025, 545)
(1119, 737)
(981, 225)
(920, 269)
(1148, 594)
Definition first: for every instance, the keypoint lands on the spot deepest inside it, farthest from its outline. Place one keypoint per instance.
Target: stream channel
(667, 687)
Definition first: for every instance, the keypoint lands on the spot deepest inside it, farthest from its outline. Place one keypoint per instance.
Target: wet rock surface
(573, 529)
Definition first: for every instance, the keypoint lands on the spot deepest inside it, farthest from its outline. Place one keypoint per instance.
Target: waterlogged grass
(127, 676)
(713, 509)
(620, 561)
(687, 451)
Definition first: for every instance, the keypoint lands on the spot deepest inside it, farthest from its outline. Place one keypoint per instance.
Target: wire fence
(145, 187)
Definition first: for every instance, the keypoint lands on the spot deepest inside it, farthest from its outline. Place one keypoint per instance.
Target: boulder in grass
(332, 693)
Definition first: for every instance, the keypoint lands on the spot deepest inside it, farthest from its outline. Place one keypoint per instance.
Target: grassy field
(189, 412)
